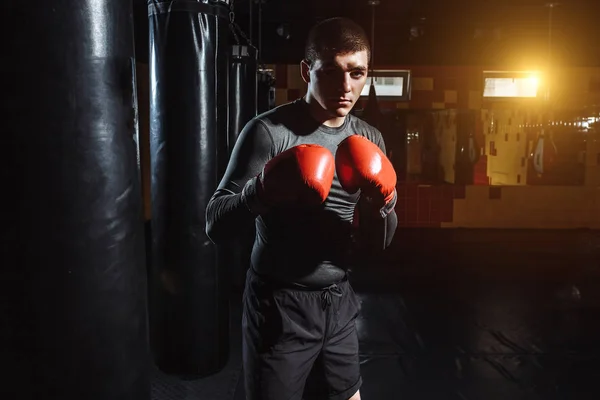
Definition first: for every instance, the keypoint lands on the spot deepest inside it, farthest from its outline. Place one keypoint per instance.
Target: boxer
(297, 173)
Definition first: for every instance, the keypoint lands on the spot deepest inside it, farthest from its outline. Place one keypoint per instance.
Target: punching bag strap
(165, 7)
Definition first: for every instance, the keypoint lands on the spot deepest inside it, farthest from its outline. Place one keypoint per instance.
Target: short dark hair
(338, 36)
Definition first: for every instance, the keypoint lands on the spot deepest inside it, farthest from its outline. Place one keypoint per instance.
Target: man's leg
(281, 339)
(340, 357)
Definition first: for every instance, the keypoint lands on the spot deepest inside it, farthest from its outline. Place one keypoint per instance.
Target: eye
(357, 74)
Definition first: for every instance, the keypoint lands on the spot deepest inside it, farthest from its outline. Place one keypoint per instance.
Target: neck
(320, 114)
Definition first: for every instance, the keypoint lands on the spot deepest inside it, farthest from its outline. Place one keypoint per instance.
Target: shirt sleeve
(227, 213)
(380, 231)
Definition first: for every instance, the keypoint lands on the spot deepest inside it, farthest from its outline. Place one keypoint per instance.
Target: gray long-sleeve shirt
(311, 248)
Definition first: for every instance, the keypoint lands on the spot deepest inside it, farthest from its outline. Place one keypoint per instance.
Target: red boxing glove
(299, 176)
(361, 164)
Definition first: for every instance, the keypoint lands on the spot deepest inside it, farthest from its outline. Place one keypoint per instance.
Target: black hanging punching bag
(188, 148)
(467, 149)
(372, 113)
(235, 255)
(242, 90)
(544, 153)
(73, 299)
(265, 91)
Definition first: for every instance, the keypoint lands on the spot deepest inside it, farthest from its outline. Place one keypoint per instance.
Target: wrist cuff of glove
(389, 207)
(250, 197)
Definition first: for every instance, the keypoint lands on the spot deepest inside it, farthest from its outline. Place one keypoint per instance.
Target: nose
(346, 86)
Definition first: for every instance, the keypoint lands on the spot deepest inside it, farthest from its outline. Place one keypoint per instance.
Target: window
(389, 84)
(511, 84)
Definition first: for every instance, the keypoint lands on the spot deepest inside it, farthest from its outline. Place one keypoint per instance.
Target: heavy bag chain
(235, 29)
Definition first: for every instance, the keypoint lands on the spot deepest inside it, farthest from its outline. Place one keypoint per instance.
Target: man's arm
(228, 211)
(376, 232)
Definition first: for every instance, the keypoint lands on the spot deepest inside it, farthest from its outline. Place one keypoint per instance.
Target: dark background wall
(427, 32)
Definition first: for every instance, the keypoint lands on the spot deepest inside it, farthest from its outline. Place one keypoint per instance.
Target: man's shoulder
(361, 127)
(279, 114)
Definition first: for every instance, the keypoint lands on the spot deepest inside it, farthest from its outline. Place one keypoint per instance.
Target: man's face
(336, 81)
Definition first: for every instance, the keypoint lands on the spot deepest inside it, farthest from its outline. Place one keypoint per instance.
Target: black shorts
(288, 330)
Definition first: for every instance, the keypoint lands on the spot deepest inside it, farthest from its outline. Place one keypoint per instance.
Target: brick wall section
(446, 88)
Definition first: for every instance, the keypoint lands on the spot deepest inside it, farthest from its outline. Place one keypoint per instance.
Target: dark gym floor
(464, 315)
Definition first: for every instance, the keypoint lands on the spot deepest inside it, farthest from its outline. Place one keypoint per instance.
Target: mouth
(341, 101)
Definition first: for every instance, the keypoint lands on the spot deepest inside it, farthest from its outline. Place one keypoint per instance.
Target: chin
(340, 112)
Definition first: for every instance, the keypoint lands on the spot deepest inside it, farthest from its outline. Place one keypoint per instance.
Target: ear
(305, 70)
